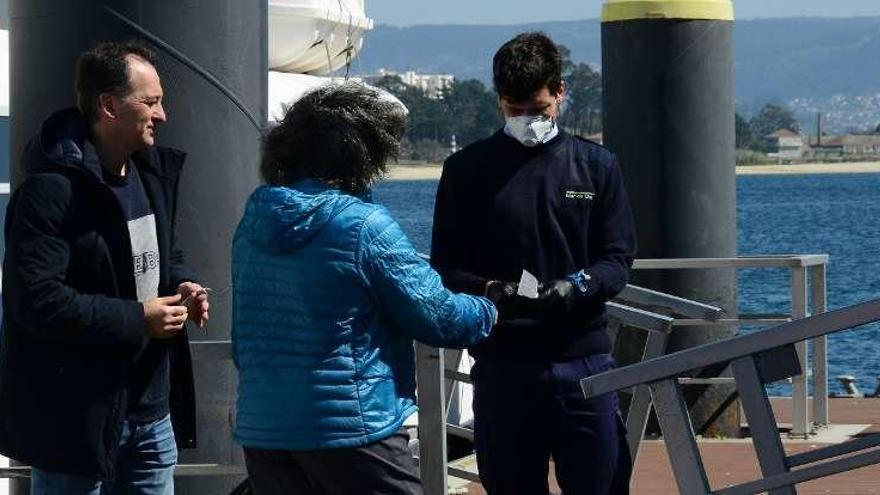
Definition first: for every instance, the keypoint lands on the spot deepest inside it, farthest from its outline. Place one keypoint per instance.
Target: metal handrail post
(762, 422)
(678, 432)
(820, 348)
(800, 415)
(432, 419)
(658, 327)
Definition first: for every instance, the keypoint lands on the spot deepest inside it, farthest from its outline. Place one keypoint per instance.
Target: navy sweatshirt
(553, 210)
(149, 384)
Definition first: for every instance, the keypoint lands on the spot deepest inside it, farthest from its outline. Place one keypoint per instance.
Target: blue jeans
(145, 466)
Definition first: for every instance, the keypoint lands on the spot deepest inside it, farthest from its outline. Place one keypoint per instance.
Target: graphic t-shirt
(148, 388)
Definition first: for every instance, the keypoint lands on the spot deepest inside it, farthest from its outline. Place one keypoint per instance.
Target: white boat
(285, 89)
(308, 40)
(315, 36)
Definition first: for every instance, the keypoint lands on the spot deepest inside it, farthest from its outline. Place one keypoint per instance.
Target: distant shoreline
(811, 168)
(428, 171)
(432, 171)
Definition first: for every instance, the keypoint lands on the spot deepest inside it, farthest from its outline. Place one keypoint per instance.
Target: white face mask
(530, 130)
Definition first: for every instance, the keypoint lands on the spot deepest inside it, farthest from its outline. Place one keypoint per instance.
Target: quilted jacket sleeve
(410, 293)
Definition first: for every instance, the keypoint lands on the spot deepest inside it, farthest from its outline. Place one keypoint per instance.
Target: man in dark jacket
(532, 197)
(95, 359)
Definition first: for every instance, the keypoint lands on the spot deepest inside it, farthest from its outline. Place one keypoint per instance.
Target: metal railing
(755, 360)
(808, 285)
(664, 310)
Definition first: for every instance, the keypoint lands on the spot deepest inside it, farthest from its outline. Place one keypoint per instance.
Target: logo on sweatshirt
(579, 195)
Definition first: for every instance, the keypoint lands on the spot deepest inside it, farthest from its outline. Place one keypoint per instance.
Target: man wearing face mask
(533, 197)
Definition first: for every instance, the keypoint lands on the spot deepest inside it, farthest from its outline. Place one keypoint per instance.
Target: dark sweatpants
(385, 467)
(526, 412)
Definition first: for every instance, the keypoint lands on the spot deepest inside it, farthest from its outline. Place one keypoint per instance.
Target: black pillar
(669, 115)
(213, 66)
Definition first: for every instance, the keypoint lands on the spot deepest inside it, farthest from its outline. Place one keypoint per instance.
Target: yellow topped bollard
(625, 10)
(668, 115)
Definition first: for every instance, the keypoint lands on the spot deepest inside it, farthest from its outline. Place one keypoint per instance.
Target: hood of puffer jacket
(280, 219)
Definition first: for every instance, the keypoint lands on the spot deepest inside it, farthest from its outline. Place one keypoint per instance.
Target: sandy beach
(432, 171)
(428, 171)
(811, 168)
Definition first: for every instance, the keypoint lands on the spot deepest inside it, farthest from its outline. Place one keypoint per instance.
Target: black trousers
(385, 467)
(524, 413)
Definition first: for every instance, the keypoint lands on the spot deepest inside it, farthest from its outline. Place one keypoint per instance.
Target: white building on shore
(432, 84)
(785, 144)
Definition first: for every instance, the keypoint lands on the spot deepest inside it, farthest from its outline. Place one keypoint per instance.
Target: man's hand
(498, 291)
(164, 317)
(557, 297)
(510, 305)
(195, 299)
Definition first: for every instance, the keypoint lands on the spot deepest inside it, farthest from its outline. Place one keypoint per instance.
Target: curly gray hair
(340, 134)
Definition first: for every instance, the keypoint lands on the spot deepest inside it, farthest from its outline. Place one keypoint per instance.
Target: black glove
(510, 305)
(557, 298)
(498, 291)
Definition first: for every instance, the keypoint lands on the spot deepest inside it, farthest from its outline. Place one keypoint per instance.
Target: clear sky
(409, 12)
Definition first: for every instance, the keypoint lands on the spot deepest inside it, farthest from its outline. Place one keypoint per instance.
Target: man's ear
(107, 106)
(560, 95)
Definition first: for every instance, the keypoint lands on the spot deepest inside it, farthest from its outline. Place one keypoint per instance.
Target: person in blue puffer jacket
(328, 295)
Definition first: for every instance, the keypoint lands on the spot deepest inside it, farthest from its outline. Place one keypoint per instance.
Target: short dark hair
(525, 64)
(104, 69)
(340, 134)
